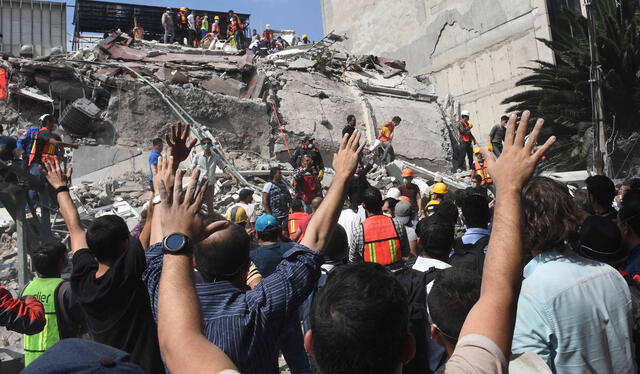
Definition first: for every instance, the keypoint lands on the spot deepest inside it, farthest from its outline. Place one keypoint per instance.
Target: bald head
(224, 255)
(315, 203)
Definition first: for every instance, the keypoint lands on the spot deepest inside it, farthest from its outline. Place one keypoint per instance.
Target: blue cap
(266, 222)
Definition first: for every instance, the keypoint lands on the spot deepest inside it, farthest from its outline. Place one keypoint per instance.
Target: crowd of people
(351, 280)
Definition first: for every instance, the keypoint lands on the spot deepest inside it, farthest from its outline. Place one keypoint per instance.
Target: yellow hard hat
(183, 9)
(432, 203)
(263, 38)
(440, 188)
(476, 150)
(304, 36)
(216, 18)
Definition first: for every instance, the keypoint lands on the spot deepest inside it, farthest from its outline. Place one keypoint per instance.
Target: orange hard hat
(405, 198)
(407, 173)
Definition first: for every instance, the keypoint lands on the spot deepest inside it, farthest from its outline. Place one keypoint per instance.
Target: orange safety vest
(48, 150)
(482, 171)
(384, 137)
(293, 223)
(268, 34)
(4, 82)
(381, 240)
(465, 137)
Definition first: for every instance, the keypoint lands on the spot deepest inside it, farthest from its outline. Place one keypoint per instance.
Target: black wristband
(62, 189)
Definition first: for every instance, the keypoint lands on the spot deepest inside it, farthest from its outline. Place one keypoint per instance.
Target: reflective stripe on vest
(48, 150)
(381, 240)
(390, 126)
(44, 290)
(483, 172)
(294, 223)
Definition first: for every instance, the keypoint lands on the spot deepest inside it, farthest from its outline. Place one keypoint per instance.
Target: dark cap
(82, 356)
(600, 240)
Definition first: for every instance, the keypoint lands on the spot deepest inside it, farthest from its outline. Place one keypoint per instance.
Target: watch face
(175, 242)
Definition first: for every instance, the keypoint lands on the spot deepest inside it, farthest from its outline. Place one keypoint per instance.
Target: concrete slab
(302, 64)
(90, 159)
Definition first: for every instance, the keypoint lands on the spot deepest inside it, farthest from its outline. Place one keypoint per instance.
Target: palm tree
(561, 92)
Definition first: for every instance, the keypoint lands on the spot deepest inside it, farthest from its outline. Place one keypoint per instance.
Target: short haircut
(601, 189)
(630, 212)
(350, 117)
(436, 235)
(359, 321)
(244, 194)
(454, 292)
(223, 259)
(458, 197)
(372, 199)
(297, 205)
(106, 236)
(207, 140)
(504, 118)
(273, 171)
(157, 141)
(448, 210)
(396, 119)
(337, 248)
(551, 217)
(477, 178)
(47, 257)
(476, 212)
(391, 202)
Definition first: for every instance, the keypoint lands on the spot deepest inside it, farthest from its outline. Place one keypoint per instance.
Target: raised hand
(163, 173)
(55, 175)
(346, 160)
(178, 144)
(519, 158)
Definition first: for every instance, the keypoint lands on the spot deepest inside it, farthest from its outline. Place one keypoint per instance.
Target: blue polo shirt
(153, 160)
(267, 258)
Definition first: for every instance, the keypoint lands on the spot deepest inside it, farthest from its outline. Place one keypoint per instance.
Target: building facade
(41, 24)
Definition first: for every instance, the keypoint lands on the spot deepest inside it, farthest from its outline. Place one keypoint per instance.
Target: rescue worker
(62, 313)
(308, 148)
(204, 27)
(385, 137)
(438, 191)
(412, 191)
(215, 27)
(496, 136)
(306, 182)
(168, 26)
(480, 168)
(378, 238)
(231, 32)
(295, 217)
(304, 39)
(267, 34)
(465, 139)
(182, 25)
(238, 32)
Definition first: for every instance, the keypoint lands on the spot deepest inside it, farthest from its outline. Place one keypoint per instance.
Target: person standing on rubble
(153, 158)
(465, 139)
(385, 137)
(182, 25)
(167, 24)
(191, 24)
(204, 26)
(215, 27)
(208, 161)
(276, 196)
(412, 191)
(496, 136)
(238, 32)
(267, 34)
(306, 182)
(350, 126)
(308, 148)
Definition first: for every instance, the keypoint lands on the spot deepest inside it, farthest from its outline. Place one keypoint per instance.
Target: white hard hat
(393, 193)
(465, 113)
(268, 26)
(45, 117)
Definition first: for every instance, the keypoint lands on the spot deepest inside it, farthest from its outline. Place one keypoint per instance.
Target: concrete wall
(474, 50)
(42, 24)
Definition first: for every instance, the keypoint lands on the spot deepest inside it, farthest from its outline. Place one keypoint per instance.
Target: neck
(102, 269)
(369, 214)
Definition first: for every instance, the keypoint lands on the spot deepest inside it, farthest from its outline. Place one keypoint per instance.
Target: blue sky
(304, 16)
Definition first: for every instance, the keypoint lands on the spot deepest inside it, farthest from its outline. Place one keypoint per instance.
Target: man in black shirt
(106, 280)
(351, 125)
(496, 136)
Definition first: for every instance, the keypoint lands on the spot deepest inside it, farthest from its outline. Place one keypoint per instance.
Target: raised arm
(494, 314)
(23, 316)
(324, 220)
(60, 181)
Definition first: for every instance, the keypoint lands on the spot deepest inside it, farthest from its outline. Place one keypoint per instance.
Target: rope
(284, 138)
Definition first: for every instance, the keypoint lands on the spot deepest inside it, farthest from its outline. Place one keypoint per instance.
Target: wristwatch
(176, 243)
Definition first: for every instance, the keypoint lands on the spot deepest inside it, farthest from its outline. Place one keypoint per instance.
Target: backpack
(469, 256)
(415, 282)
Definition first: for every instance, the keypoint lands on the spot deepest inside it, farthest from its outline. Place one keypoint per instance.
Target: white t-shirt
(423, 264)
(411, 234)
(192, 21)
(348, 219)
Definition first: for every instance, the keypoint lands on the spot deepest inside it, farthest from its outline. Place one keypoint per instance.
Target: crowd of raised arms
(532, 276)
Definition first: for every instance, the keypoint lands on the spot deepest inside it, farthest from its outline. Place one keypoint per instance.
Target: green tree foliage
(561, 92)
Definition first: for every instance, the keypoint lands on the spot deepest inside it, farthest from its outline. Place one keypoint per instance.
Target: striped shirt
(246, 324)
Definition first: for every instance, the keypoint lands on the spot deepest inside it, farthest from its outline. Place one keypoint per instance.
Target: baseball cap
(82, 356)
(266, 222)
(403, 212)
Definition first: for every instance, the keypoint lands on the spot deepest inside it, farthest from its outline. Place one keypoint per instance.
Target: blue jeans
(291, 344)
(46, 196)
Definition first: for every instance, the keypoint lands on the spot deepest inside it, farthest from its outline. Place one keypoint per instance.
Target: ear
(409, 349)
(308, 342)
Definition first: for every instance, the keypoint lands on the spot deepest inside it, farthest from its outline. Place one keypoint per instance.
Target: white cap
(465, 113)
(268, 26)
(393, 193)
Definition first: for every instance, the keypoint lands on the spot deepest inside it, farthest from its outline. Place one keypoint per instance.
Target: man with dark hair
(238, 36)
(358, 184)
(629, 224)
(306, 182)
(242, 212)
(8, 145)
(246, 324)
(295, 219)
(309, 149)
(469, 250)
(153, 158)
(276, 196)
(477, 187)
(465, 140)
(350, 126)
(62, 311)
(341, 341)
(385, 136)
(565, 298)
(455, 291)
(267, 258)
(106, 280)
(496, 136)
(208, 162)
(601, 191)
(304, 222)
(378, 238)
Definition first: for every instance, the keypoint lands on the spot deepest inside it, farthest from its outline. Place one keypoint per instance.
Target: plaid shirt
(356, 246)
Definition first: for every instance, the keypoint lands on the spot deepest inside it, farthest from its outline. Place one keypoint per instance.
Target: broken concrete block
(176, 76)
(301, 64)
(229, 87)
